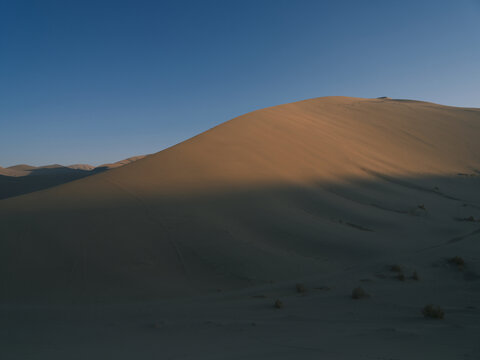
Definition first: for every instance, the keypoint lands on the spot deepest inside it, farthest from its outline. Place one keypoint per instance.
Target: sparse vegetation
(359, 293)
(155, 325)
(301, 288)
(278, 304)
(457, 260)
(415, 276)
(422, 206)
(470, 218)
(433, 312)
(396, 268)
(401, 277)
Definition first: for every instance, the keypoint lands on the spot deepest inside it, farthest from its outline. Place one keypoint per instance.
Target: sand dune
(23, 179)
(308, 187)
(81, 167)
(330, 192)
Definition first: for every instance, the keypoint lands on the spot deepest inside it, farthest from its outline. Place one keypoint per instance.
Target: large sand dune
(329, 192)
(311, 187)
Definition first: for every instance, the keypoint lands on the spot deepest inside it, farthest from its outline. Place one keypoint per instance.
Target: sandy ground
(182, 254)
(324, 322)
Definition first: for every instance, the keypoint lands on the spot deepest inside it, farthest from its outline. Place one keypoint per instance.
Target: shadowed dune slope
(23, 179)
(312, 187)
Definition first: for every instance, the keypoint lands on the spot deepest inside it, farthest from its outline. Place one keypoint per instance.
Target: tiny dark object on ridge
(396, 268)
(470, 218)
(401, 277)
(415, 276)
(457, 260)
(434, 312)
(421, 206)
(300, 288)
(278, 304)
(359, 293)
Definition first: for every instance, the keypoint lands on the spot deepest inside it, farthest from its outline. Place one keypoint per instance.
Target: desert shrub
(278, 304)
(359, 293)
(396, 268)
(301, 288)
(457, 260)
(434, 312)
(415, 276)
(422, 206)
(401, 277)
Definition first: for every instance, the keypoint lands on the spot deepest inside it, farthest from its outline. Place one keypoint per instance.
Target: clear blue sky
(96, 81)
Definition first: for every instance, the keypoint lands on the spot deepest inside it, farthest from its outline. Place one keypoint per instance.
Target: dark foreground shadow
(124, 245)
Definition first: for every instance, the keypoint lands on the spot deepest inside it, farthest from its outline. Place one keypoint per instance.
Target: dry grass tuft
(301, 288)
(433, 312)
(457, 260)
(396, 268)
(278, 304)
(415, 276)
(359, 293)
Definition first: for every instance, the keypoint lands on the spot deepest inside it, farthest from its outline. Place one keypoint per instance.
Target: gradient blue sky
(97, 81)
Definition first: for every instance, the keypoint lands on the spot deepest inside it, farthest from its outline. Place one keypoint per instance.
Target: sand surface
(193, 245)
(23, 179)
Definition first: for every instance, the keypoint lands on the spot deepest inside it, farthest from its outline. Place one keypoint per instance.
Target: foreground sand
(327, 192)
(321, 324)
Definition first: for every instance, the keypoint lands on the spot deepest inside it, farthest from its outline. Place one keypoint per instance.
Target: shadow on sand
(41, 178)
(125, 245)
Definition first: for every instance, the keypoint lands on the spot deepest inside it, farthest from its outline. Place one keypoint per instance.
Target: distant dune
(313, 187)
(81, 167)
(22, 179)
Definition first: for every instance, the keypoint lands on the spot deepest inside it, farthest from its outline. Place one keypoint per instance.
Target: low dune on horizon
(329, 192)
(23, 179)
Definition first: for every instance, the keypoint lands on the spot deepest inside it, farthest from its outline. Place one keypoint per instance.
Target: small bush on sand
(433, 312)
(401, 277)
(422, 206)
(415, 276)
(396, 268)
(301, 288)
(457, 260)
(278, 304)
(359, 293)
